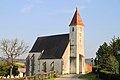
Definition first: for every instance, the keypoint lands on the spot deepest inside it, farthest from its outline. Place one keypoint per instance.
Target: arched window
(32, 64)
(44, 67)
(52, 66)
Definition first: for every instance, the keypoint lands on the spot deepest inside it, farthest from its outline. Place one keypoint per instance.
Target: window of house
(73, 50)
(62, 63)
(80, 34)
(72, 40)
(52, 66)
(44, 67)
(80, 29)
(28, 65)
(72, 29)
(80, 40)
(39, 66)
(32, 64)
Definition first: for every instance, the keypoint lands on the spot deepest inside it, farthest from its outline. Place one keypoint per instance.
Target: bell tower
(76, 37)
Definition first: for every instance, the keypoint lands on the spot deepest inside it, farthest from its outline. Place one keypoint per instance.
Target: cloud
(58, 12)
(84, 4)
(30, 5)
(35, 1)
(26, 8)
(39, 1)
(67, 11)
(88, 1)
(82, 7)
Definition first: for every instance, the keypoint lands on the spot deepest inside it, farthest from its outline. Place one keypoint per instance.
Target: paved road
(70, 77)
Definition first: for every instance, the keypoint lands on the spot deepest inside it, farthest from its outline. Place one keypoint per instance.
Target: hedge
(107, 75)
(96, 69)
(104, 74)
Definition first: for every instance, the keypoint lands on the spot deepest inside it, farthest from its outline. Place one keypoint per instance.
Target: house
(90, 61)
(62, 52)
(21, 72)
(88, 68)
(21, 67)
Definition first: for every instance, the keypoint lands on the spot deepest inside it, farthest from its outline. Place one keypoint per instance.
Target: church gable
(51, 47)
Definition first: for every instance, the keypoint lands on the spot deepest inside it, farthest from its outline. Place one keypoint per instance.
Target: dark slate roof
(53, 47)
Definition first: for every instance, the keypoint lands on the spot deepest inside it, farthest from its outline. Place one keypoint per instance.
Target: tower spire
(76, 6)
(76, 20)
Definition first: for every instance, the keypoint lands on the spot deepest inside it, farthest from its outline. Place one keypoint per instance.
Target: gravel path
(70, 77)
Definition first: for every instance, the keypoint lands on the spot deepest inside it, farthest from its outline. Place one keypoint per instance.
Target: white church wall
(73, 49)
(66, 60)
(76, 49)
(30, 63)
(36, 67)
(80, 48)
(36, 56)
(57, 65)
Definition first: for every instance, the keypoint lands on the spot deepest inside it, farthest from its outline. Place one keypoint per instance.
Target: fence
(44, 76)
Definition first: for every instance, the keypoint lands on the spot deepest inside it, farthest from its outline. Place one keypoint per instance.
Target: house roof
(51, 47)
(76, 20)
(23, 70)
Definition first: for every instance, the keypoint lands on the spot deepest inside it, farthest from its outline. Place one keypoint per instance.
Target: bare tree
(12, 49)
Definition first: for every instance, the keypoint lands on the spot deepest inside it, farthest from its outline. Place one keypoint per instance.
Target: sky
(29, 19)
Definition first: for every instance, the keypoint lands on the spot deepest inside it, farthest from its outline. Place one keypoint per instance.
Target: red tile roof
(89, 68)
(76, 20)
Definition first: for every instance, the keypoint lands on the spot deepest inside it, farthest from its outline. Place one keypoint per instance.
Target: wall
(77, 62)
(36, 56)
(57, 65)
(66, 60)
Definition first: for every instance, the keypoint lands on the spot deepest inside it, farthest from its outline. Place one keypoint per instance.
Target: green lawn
(90, 76)
(51, 79)
(58, 75)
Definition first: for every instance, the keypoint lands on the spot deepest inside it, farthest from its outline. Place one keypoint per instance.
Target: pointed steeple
(76, 20)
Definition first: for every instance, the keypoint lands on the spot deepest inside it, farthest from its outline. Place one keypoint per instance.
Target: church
(62, 52)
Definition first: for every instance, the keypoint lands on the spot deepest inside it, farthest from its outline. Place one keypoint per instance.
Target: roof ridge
(53, 35)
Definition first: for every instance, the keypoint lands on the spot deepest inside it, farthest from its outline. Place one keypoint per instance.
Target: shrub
(105, 74)
(96, 69)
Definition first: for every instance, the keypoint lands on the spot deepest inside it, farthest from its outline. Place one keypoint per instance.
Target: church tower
(77, 61)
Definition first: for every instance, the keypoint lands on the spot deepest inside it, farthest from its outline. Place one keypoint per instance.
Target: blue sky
(28, 19)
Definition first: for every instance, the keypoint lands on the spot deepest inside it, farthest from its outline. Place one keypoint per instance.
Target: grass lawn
(90, 76)
(51, 79)
(58, 75)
